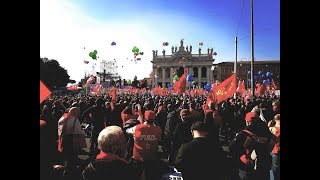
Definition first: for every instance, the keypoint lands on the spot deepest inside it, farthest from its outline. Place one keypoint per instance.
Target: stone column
(172, 70)
(211, 75)
(208, 74)
(199, 76)
(163, 76)
(154, 75)
(190, 70)
(156, 78)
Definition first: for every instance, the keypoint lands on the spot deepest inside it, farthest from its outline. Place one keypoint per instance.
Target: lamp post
(213, 66)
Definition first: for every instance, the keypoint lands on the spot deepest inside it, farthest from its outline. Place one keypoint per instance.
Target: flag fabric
(72, 87)
(241, 87)
(192, 93)
(113, 94)
(209, 98)
(180, 85)
(44, 92)
(261, 89)
(274, 84)
(97, 89)
(89, 81)
(225, 89)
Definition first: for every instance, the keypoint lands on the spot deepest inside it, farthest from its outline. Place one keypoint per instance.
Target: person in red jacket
(145, 150)
(275, 153)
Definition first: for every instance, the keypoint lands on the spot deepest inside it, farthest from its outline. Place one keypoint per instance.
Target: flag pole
(252, 50)
(235, 61)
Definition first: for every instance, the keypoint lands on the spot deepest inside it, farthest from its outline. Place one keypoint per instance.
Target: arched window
(180, 71)
(195, 72)
(159, 73)
(167, 73)
(203, 72)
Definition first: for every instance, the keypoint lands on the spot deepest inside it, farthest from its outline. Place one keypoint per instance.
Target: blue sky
(69, 26)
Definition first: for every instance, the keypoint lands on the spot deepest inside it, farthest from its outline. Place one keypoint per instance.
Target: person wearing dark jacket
(182, 133)
(98, 112)
(193, 157)
(256, 136)
(172, 121)
(109, 164)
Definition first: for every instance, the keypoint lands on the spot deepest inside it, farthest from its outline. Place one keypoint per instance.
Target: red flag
(261, 89)
(274, 84)
(73, 87)
(44, 92)
(97, 89)
(241, 87)
(246, 96)
(89, 81)
(225, 89)
(180, 85)
(209, 98)
(192, 93)
(113, 94)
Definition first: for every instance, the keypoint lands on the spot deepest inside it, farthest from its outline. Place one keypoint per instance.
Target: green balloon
(94, 56)
(129, 81)
(90, 54)
(95, 51)
(176, 77)
(135, 49)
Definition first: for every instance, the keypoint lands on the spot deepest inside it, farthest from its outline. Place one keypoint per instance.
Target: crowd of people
(141, 136)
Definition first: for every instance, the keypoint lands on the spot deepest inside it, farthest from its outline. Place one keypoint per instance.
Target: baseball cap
(149, 115)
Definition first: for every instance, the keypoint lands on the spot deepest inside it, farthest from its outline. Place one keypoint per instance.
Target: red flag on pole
(225, 89)
(261, 89)
(44, 92)
(241, 87)
(274, 84)
(180, 85)
(209, 98)
(113, 94)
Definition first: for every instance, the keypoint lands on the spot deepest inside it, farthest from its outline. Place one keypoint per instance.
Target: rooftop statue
(181, 42)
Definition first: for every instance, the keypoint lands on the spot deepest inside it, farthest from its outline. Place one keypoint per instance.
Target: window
(159, 73)
(167, 73)
(223, 70)
(203, 72)
(195, 72)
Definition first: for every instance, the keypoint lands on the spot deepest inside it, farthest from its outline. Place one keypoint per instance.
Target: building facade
(224, 69)
(165, 67)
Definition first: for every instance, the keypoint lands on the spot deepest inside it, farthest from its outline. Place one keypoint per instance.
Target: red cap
(42, 123)
(251, 116)
(149, 115)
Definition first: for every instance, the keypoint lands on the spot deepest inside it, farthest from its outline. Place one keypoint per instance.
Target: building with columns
(165, 67)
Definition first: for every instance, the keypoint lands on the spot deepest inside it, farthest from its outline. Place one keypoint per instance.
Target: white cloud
(65, 31)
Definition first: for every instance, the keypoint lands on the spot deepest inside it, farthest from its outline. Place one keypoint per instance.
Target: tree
(52, 74)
